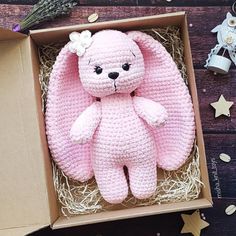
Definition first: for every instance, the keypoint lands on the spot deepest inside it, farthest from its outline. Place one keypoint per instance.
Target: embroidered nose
(113, 75)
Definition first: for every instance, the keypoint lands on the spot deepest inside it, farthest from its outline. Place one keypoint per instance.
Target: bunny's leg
(112, 183)
(143, 177)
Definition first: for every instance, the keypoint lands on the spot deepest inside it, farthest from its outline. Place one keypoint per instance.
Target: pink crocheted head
(109, 52)
(120, 130)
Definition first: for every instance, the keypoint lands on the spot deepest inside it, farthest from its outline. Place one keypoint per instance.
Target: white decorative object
(219, 64)
(226, 37)
(79, 42)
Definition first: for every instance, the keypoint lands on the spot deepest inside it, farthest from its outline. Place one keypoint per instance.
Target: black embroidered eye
(126, 66)
(98, 70)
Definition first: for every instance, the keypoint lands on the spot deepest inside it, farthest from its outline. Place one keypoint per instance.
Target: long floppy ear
(65, 101)
(163, 83)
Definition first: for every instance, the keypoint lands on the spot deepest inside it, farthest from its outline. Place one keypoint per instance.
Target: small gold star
(193, 223)
(222, 107)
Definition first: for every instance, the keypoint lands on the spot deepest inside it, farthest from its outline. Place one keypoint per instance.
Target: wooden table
(219, 134)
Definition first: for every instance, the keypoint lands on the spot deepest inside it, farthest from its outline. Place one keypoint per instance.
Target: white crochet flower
(79, 42)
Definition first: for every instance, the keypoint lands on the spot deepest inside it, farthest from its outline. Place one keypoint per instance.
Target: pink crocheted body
(123, 139)
(120, 130)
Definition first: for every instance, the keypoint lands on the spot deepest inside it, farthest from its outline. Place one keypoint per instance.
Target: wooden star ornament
(222, 107)
(193, 223)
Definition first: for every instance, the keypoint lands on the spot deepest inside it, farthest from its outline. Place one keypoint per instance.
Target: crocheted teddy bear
(89, 136)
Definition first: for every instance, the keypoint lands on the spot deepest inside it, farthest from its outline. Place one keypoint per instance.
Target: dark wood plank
(81, 2)
(134, 2)
(222, 175)
(220, 223)
(184, 3)
(165, 225)
(203, 19)
(156, 3)
(210, 88)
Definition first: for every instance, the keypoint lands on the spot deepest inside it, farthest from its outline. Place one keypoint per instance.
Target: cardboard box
(28, 200)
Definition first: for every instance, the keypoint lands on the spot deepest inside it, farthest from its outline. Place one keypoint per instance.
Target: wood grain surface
(219, 134)
(222, 175)
(134, 2)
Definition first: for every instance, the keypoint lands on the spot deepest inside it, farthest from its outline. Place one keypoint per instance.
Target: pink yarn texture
(90, 137)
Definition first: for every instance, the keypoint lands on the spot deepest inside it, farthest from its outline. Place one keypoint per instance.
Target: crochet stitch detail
(154, 127)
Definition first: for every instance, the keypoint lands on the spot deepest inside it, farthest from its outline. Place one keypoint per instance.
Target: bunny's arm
(152, 112)
(83, 128)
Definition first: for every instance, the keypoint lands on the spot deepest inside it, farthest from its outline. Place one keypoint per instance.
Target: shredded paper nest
(77, 198)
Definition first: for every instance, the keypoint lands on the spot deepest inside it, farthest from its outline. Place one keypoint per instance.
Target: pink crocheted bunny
(89, 136)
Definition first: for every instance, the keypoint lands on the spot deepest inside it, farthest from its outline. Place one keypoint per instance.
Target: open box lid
(24, 193)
